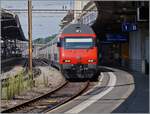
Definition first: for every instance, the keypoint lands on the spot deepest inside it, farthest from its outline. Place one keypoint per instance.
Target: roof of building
(67, 19)
(10, 26)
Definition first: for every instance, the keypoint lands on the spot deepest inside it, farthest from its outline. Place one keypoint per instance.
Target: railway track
(8, 65)
(51, 100)
(36, 71)
(39, 62)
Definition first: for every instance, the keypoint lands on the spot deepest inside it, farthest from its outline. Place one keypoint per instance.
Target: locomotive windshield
(77, 43)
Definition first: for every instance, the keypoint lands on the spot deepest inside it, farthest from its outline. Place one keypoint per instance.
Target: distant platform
(9, 59)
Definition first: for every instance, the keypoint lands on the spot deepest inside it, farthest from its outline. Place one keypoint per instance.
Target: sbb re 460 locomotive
(74, 51)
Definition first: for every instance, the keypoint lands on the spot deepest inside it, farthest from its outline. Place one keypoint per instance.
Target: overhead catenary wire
(52, 11)
(51, 0)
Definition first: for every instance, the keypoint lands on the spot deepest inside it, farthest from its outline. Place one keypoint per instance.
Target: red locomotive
(74, 51)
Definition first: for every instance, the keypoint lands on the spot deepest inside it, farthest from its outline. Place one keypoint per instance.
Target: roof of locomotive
(78, 29)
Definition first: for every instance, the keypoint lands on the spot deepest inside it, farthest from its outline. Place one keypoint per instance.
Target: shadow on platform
(138, 101)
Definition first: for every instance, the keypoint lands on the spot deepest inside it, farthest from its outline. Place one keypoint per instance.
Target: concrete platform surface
(119, 92)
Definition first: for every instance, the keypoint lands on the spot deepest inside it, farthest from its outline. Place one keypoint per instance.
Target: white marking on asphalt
(93, 99)
(100, 78)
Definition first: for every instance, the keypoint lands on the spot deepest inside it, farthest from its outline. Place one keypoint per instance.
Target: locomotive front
(78, 51)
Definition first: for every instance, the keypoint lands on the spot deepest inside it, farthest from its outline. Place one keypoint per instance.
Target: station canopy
(11, 27)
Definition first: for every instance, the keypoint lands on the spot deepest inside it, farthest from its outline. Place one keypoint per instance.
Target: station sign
(116, 38)
(129, 27)
(106, 42)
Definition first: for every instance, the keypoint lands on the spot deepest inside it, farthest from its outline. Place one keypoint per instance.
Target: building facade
(128, 46)
(78, 7)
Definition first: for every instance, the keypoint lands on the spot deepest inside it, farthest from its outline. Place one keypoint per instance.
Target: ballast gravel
(47, 81)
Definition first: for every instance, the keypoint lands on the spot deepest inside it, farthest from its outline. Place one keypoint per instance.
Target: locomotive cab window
(78, 43)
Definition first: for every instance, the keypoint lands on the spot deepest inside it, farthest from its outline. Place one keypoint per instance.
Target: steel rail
(29, 104)
(65, 101)
(13, 109)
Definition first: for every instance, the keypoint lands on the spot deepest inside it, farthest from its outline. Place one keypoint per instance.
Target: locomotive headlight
(91, 60)
(67, 61)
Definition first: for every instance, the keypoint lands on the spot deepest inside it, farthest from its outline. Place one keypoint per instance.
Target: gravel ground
(53, 79)
(12, 72)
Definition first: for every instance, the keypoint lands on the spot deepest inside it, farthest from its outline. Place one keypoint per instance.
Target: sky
(44, 24)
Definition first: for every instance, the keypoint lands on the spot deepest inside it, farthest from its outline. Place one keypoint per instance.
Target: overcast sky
(44, 24)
